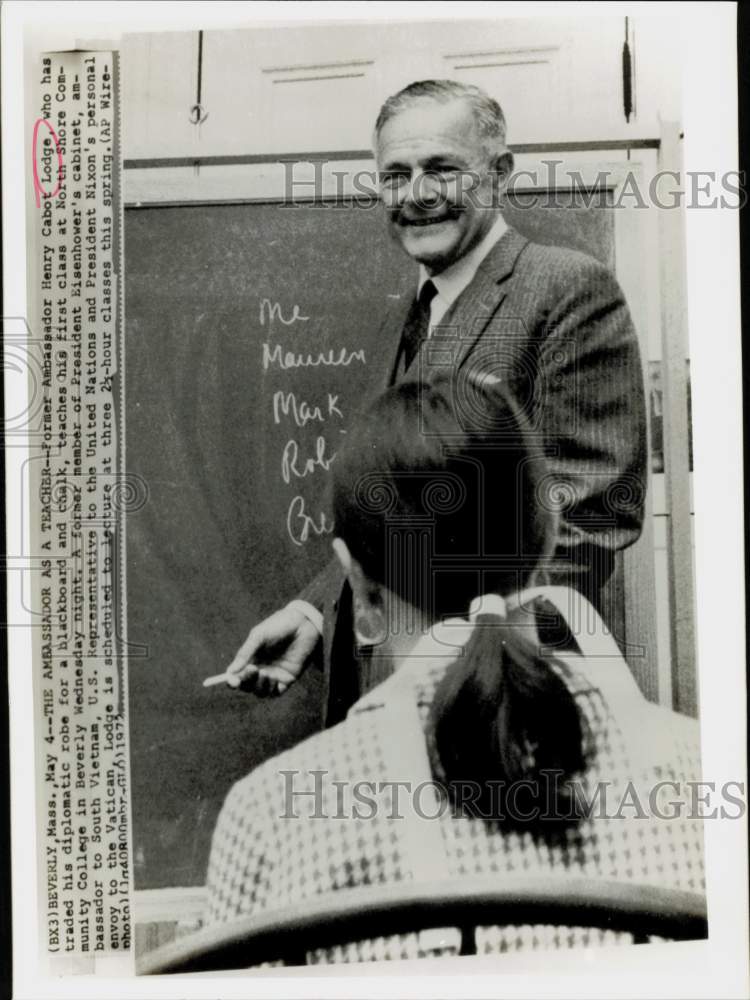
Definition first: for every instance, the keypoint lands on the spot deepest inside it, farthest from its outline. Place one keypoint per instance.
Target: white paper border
(699, 969)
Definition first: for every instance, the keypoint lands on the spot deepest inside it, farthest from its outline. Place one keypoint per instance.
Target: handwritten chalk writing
(47, 161)
(272, 311)
(299, 524)
(333, 407)
(290, 457)
(329, 359)
(285, 405)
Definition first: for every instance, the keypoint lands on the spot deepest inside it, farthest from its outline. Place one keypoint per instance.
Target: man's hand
(274, 653)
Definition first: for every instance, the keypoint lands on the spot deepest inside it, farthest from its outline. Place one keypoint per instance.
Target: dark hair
(488, 114)
(435, 494)
(502, 721)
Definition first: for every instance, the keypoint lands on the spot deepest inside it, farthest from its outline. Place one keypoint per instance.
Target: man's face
(437, 181)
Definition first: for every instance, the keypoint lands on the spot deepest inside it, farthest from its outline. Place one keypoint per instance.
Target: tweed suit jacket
(553, 325)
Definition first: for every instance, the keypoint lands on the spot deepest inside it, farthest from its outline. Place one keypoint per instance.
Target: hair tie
(487, 604)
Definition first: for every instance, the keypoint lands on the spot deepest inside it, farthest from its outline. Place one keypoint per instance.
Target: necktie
(417, 323)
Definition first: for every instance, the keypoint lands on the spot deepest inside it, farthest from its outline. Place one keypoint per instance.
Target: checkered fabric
(275, 844)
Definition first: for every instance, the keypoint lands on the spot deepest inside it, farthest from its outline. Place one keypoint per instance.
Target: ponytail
(503, 715)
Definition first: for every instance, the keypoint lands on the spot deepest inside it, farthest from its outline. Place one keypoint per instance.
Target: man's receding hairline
(486, 114)
(490, 144)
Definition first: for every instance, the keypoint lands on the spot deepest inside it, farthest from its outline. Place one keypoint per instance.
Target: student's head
(442, 165)
(436, 503)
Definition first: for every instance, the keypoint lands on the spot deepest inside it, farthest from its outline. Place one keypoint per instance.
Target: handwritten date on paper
(299, 461)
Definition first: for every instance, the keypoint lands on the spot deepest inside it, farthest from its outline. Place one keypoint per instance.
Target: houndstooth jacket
(275, 844)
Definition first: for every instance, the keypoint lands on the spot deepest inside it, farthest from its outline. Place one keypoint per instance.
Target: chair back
(357, 914)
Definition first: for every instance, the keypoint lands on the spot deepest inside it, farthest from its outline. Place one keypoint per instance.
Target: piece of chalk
(216, 679)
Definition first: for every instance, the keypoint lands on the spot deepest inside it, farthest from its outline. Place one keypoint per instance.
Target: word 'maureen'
(330, 359)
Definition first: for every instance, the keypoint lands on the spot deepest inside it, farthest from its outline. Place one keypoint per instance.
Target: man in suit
(550, 322)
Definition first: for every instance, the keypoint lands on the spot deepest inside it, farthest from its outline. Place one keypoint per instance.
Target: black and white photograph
(370, 392)
(366, 500)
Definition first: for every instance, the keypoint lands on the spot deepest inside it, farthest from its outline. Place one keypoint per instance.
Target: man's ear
(503, 168)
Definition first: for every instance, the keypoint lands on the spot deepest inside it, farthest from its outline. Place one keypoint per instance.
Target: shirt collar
(452, 281)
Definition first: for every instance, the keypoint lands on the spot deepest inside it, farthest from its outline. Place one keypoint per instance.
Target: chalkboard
(251, 339)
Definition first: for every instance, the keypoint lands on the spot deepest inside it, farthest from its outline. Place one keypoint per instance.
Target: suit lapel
(469, 315)
(466, 320)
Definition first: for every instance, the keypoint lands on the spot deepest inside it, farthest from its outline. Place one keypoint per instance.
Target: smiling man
(548, 322)
(442, 163)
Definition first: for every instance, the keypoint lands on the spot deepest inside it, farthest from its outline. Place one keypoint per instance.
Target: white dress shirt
(454, 279)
